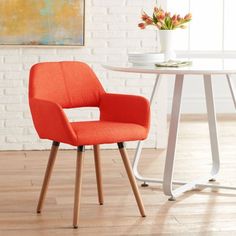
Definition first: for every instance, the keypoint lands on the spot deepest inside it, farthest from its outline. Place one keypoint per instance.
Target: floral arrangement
(164, 20)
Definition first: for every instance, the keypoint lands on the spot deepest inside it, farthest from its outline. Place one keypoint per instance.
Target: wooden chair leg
(131, 177)
(78, 184)
(96, 150)
(47, 176)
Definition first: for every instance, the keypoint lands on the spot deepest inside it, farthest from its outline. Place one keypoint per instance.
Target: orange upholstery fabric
(97, 132)
(51, 122)
(125, 108)
(57, 85)
(70, 84)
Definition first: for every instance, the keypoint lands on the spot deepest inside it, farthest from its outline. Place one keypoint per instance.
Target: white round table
(206, 68)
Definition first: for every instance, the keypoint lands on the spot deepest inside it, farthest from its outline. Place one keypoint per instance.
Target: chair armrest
(125, 108)
(51, 122)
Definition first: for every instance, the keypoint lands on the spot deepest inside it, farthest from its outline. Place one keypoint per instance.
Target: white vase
(167, 40)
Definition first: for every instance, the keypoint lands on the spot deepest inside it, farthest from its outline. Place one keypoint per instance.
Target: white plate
(145, 58)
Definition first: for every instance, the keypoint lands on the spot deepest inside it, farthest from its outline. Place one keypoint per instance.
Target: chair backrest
(70, 84)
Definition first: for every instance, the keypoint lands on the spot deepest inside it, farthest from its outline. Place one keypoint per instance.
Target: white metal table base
(232, 89)
(172, 139)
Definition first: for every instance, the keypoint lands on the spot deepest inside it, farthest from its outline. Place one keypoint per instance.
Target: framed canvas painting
(42, 22)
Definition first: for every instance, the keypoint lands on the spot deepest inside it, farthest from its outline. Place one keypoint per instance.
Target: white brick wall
(111, 32)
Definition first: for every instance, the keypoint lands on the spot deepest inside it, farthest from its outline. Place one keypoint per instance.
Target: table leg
(212, 125)
(232, 89)
(173, 133)
(140, 143)
(137, 155)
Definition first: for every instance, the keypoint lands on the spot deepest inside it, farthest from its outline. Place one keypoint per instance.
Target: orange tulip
(156, 9)
(174, 18)
(149, 21)
(161, 15)
(141, 25)
(144, 16)
(188, 16)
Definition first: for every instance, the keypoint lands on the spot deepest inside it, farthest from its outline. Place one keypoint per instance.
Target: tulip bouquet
(164, 20)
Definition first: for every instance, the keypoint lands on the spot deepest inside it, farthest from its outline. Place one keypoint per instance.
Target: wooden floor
(199, 212)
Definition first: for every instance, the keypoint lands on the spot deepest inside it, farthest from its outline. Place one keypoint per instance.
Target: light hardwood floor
(199, 212)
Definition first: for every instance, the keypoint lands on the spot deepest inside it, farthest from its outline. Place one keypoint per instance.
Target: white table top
(199, 66)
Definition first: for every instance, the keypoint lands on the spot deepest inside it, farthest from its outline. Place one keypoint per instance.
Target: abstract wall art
(42, 22)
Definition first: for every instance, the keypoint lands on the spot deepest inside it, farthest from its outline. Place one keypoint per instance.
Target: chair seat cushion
(101, 132)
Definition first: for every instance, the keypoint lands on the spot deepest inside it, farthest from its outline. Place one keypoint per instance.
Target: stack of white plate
(145, 58)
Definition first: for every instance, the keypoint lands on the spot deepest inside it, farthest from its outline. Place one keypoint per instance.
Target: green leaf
(154, 18)
(168, 22)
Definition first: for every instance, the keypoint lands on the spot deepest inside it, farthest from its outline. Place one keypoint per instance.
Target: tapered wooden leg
(96, 150)
(78, 184)
(133, 183)
(51, 161)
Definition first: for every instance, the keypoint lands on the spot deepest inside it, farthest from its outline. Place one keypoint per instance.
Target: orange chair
(57, 85)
